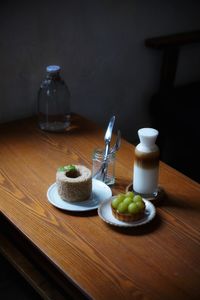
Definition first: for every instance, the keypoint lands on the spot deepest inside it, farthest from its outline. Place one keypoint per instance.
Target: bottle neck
(54, 76)
(144, 148)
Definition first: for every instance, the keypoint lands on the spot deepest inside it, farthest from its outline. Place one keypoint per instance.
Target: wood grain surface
(157, 261)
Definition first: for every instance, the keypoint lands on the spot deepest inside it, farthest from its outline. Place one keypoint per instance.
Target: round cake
(127, 207)
(74, 183)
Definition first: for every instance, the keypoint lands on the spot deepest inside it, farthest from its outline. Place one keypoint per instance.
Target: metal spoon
(107, 140)
(101, 173)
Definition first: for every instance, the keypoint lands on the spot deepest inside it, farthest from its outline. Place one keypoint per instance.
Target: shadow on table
(140, 230)
(84, 214)
(178, 202)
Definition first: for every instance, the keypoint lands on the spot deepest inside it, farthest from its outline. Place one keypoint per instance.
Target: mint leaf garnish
(61, 169)
(68, 168)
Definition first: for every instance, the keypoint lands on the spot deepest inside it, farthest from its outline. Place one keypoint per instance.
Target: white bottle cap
(147, 136)
(53, 69)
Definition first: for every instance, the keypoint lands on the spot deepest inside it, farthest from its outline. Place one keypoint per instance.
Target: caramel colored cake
(127, 207)
(74, 183)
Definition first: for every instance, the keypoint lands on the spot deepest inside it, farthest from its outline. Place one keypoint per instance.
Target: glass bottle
(53, 102)
(146, 164)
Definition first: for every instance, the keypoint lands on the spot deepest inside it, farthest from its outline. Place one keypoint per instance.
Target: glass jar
(53, 102)
(97, 163)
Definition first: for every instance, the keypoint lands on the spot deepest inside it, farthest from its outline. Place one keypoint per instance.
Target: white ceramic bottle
(146, 164)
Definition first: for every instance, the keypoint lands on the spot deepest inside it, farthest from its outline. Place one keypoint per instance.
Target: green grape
(130, 194)
(140, 205)
(121, 196)
(137, 198)
(127, 200)
(115, 202)
(122, 207)
(133, 208)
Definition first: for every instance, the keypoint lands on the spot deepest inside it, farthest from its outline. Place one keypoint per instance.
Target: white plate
(100, 192)
(105, 213)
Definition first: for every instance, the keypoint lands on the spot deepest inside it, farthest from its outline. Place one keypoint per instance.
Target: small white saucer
(105, 213)
(100, 192)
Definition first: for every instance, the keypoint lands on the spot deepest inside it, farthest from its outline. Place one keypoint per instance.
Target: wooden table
(62, 252)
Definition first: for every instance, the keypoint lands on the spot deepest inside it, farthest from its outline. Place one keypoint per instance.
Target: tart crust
(73, 189)
(127, 217)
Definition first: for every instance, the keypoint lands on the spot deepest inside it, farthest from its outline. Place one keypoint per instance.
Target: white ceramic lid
(147, 136)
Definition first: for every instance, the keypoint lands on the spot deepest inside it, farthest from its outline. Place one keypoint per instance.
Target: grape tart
(127, 207)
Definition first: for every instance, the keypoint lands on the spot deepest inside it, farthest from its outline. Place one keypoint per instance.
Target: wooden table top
(160, 260)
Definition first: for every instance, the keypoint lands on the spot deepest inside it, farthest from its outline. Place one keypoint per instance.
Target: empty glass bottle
(53, 102)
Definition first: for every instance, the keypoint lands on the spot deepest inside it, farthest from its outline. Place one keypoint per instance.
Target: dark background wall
(100, 47)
